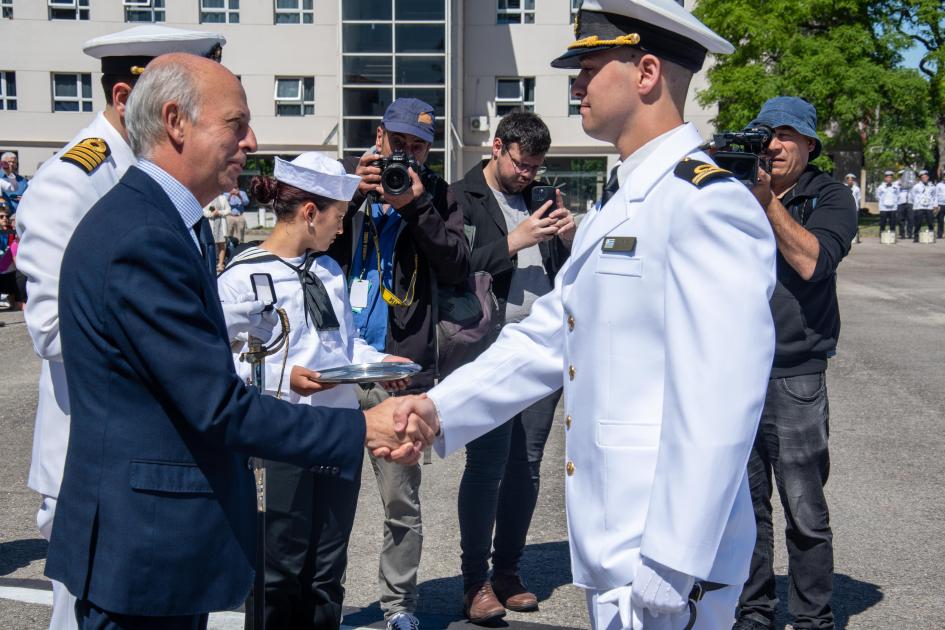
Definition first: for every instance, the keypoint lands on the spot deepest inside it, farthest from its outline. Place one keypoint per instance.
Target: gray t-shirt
(529, 280)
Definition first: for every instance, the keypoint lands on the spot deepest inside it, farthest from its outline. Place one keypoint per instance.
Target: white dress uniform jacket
(940, 193)
(664, 353)
(59, 196)
(922, 197)
(308, 347)
(888, 196)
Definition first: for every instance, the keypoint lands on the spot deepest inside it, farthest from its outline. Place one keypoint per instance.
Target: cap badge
(425, 119)
(136, 70)
(630, 39)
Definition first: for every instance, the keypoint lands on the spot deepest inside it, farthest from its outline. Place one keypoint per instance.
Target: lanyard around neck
(387, 294)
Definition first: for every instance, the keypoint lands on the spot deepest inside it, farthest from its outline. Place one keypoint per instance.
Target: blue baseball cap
(410, 115)
(793, 112)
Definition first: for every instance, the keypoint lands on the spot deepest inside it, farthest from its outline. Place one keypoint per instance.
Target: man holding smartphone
(521, 234)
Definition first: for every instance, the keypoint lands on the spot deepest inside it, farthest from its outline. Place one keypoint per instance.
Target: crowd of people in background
(907, 205)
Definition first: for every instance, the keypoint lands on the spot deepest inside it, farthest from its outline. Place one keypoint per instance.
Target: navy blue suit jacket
(156, 515)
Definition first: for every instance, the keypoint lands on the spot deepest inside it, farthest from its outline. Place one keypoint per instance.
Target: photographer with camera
(814, 219)
(401, 240)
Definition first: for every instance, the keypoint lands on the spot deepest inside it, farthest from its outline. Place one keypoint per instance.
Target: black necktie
(610, 188)
(207, 248)
(318, 307)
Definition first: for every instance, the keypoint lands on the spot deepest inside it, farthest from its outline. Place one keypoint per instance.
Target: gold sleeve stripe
(630, 39)
(88, 154)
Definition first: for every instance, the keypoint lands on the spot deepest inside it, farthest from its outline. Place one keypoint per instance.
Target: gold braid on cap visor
(630, 39)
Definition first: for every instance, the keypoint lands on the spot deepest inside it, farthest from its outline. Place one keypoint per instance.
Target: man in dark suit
(523, 252)
(155, 521)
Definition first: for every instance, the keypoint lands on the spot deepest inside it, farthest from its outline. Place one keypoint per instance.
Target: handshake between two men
(400, 428)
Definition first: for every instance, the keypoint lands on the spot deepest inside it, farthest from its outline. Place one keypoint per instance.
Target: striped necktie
(610, 188)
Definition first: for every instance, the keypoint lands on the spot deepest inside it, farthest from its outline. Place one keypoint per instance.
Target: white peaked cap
(667, 14)
(151, 40)
(318, 174)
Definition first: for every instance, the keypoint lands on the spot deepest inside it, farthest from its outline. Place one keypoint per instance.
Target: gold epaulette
(700, 173)
(88, 154)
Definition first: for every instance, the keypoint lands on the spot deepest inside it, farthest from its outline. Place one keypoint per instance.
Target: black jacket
(806, 314)
(490, 249)
(433, 230)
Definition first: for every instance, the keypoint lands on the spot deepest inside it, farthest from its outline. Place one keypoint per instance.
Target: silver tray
(368, 373)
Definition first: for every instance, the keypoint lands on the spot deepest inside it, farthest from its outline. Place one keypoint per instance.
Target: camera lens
(395, 179)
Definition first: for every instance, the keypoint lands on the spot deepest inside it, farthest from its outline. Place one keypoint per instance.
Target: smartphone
(540, 195)
(263, 288)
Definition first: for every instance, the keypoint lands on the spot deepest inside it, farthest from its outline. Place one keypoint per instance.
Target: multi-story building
(318, 74)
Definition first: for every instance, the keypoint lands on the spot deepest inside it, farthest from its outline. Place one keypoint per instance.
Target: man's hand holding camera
(371, 172)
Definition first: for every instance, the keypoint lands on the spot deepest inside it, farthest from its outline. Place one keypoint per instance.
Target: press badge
(359, 294)
(619, 244)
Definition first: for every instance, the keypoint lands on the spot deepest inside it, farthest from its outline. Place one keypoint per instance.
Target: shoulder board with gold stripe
(88, 154)
(700, 173)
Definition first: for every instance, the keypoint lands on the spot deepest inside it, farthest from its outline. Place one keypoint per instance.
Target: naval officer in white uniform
(60, 194)
(660, 332)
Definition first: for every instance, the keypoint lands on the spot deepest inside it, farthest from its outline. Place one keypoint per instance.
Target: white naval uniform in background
(308, 347)
(59, 195)
(888, 196)
(664, 354)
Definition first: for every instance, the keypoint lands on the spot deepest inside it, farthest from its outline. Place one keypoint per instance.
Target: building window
(514, 95)
(72, 92)
(8, 90)
(220, 11)
(144, 10)
(392, 49)
(295, 96)
(515, 12)
(68, 9)
(294, 11)
(6, 9)
(574, 104)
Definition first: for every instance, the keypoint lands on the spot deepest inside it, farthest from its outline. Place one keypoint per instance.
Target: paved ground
(887, 394)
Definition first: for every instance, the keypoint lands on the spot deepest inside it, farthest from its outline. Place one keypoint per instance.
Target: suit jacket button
(567, 422)
(571, 372)
(570, 322)
(570, 469)
(335, 470)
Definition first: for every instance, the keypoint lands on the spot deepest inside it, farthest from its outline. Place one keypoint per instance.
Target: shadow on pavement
(545, 567)
(16, 554)
(850, 598)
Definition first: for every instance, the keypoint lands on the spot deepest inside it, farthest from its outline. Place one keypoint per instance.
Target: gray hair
(7, 154)
(166, 82)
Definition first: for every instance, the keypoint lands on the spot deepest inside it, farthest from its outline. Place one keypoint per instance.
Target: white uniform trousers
(63, 612)
(716, 611)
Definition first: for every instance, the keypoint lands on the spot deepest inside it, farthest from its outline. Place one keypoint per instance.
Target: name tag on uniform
(359, 294)
(619, 244)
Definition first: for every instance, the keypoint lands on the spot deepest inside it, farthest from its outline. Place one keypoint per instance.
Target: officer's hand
(660, 589)
(412, 193)
(401, 383)
(370, 175)
(762, 189)
(302, 381)
(564, 220)
(248, 316)
(536, 228)
(630, 618)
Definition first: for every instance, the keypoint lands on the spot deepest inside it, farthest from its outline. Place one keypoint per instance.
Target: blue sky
(911, 57)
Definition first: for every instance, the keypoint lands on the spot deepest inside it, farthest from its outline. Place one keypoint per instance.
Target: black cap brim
(572, 59)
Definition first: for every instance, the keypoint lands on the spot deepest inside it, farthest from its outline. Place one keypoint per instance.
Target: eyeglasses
(521, 168)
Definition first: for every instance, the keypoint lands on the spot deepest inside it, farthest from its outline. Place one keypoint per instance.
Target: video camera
(742, 152)
(394, 176)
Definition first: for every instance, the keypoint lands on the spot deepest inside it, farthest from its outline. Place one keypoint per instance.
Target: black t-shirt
(806, 313)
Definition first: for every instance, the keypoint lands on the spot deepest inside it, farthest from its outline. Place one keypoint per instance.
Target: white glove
(660, 589)
(630, 618)
(248, 316)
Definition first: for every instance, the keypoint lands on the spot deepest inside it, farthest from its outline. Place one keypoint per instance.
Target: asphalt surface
(887, 393)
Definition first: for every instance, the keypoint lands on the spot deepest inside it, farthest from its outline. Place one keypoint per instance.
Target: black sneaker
(749, 623)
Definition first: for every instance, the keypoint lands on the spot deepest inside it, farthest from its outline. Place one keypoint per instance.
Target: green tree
(828, 52)
(922, 23)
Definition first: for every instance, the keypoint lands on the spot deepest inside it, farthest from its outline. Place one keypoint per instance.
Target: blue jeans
(500, 489)
(792, 444)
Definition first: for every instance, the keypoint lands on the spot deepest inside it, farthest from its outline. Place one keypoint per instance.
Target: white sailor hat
(318, 174)
(659, 27)
(128, 52)
(849, 176)
(888, 173)
(923, 172)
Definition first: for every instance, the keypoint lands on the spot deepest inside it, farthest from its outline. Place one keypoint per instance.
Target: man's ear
(173, 122)
(650, 70)
(120, 93)
(496, 148)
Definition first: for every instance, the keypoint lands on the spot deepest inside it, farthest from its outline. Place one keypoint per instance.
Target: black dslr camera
(394, 176)
(742, 152)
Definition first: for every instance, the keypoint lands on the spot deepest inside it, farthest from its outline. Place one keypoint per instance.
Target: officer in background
(940, 199)
(904, 209)
(923, 198)
(60, 194)
(887, 194)
(659, 331)
(850, 182)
